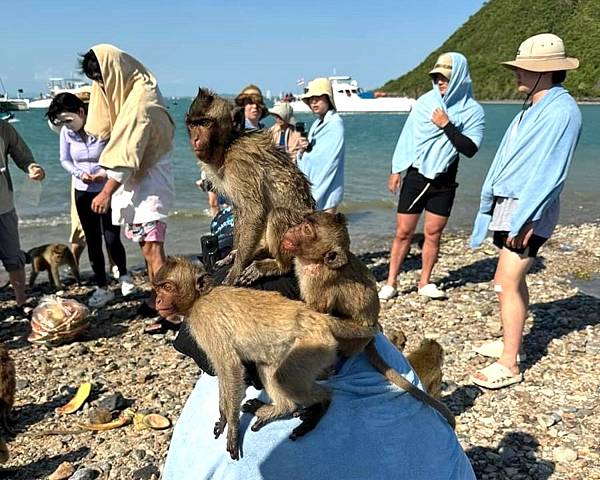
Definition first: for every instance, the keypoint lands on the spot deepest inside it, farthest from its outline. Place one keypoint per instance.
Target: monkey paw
(251, 406)
(227, 260)
(310, 417)
(220, 426)
(233, 444)
(249, 275)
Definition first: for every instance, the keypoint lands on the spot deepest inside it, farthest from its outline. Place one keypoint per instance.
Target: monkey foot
(220, 426)
(310, 417)
(251, 406)
(227, 260)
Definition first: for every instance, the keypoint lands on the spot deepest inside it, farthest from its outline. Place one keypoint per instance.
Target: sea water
(370, 208)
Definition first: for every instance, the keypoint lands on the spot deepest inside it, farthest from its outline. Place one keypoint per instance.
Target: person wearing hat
(520, 195)
(284, 133)
(445, 122)
(322, 153)
(250, 100)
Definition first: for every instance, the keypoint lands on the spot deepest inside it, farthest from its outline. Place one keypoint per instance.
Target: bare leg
(433, 228)
(213, 203)
(511, 288)
(405, 228)
(17, 280)
(154, 255)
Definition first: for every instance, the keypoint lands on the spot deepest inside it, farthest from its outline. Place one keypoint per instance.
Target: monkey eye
(168, 287)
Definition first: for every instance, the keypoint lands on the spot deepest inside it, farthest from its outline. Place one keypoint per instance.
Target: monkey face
(202, 138)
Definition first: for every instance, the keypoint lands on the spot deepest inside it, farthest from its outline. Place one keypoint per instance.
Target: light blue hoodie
(424, 145)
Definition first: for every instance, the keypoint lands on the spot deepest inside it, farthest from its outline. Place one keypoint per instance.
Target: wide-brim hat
(543, 53)
(252, 93)
(284, 111)
(318, 87)
(443, 66)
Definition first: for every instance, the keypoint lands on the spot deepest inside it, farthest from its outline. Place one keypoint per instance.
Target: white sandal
(494, 349)
(497, 376)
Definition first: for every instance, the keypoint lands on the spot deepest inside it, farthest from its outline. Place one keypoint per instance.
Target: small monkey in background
(8, 385)
(269, 193)
(291, 345)
(49, 258)
(333, 280)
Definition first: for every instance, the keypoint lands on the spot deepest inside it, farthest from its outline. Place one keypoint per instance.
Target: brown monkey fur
(333, 280)
(50, 257)
(291, 345)
(8, 386)
(268, 192)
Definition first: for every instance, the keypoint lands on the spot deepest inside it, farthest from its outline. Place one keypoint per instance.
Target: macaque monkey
(50, 257)
(268, 192)
(291, 345)
(333, 280)
(8, 385)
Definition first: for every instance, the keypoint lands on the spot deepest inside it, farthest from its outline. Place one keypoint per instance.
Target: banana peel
(83, 392)
(124, 419)
(153, 421)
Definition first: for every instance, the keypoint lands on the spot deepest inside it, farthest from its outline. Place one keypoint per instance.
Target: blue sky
(227, 44)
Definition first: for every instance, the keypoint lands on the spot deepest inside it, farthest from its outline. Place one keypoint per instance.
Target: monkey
(333, 280)
(50, 257)
(290, 343)
(267, 191)
(4, 455)
(8, 385)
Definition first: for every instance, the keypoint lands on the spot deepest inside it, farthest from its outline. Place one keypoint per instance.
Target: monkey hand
(233, 446)
(220, 426)
(227, 260)
(249, 275)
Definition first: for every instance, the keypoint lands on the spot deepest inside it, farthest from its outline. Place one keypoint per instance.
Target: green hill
(494, 34)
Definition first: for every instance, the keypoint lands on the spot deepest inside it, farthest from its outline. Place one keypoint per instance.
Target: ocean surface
(370, 208)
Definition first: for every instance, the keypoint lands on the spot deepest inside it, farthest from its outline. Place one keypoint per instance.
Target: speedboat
(350, 98)
(57, 85)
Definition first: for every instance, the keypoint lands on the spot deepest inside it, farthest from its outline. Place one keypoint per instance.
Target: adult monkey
(50, 257)
(333, 280)
(269, 194)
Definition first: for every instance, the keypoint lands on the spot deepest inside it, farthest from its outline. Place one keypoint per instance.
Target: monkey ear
(204, 283)
(335, 258)
(340, 218)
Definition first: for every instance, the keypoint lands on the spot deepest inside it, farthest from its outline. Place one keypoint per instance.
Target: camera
(301, 128)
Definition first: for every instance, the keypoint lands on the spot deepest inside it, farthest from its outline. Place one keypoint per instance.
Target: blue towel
(532, 161)
(373, 430)
(324, 164)
(425, 146)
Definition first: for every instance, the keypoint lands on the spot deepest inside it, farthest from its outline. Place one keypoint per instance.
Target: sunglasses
(60, 123)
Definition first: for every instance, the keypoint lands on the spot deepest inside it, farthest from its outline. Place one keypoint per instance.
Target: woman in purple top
(79, 155)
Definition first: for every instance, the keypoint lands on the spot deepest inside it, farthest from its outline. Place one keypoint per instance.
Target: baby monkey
(49, 258)
(291, 345)
(333, 280)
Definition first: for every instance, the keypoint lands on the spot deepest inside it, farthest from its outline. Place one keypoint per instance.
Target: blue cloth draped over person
(532, 162)
(372, 430)
(424, 145)
(323, 161)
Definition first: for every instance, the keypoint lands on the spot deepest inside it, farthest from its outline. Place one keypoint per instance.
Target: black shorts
(438, 197)
(531, 250)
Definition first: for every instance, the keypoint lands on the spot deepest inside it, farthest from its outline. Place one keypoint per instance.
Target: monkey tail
(345, 329)
(393, 376)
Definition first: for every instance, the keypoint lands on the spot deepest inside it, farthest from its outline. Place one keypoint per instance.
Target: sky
(225, 44)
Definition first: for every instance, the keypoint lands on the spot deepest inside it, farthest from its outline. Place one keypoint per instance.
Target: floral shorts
(155, 231)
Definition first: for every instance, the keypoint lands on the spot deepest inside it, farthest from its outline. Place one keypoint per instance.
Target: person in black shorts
(445, 122)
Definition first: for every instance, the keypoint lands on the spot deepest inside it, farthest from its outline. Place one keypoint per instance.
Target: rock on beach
(544, 428)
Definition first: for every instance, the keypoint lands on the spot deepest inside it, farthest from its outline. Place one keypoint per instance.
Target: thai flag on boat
(300, 82)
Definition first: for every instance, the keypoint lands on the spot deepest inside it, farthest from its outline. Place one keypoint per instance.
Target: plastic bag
(57, 320)
(31, 193)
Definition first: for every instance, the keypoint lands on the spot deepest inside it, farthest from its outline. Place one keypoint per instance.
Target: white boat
(10, 104)
(350, 98)
(76, 86)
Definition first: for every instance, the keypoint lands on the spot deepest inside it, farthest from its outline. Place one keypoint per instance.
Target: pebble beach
(544, 428)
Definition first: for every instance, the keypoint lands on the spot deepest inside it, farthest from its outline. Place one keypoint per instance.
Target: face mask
(71, 120)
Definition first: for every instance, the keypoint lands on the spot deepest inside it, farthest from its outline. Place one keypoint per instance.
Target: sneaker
(127, 285)
(387, 292)
(115, 272)
(100, 297)
(431, 291)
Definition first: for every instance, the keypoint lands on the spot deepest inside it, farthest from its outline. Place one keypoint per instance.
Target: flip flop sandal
(494, 350)
(497, 376)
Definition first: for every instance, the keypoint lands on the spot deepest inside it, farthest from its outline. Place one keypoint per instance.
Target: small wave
(44, 221)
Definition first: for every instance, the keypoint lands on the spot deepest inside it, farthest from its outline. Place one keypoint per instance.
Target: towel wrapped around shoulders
(372, 430)
(128, 110)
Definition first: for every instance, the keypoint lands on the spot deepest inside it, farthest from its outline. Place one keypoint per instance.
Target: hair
(64, 102)
(559, 76)
(90, 66)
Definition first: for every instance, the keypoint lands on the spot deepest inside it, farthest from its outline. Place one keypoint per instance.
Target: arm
(18, 149)
(462, 143)
(101, 202)
(66, 160)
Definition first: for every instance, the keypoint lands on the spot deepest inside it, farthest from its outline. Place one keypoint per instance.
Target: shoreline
(544, 427)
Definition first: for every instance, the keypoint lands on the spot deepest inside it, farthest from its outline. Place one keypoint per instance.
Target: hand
(522, 239)
(394, 182)
(101, 203)
(87, 178)
(36, 172)
(201, 184)
(303, 144)
(98, 178)
(440, 118)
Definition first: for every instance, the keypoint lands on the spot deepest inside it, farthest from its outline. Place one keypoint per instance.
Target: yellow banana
(83, 392)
